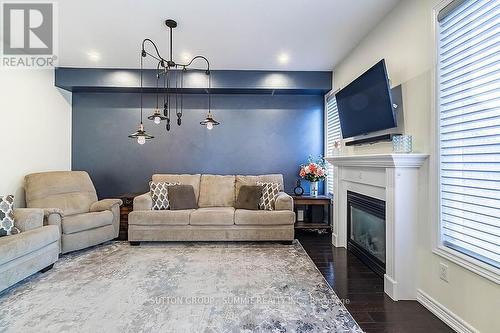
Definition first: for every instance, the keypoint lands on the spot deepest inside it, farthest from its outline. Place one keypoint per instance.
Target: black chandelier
(173, 79)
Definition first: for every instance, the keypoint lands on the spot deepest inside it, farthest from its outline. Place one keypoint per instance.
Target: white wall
(35, 120)
(404, 39)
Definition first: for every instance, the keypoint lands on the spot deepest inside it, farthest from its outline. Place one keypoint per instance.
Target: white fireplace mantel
(394, 179)
(380, 160)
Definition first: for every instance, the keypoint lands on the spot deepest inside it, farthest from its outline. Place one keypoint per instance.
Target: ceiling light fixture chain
(169, 68)
(141, 134)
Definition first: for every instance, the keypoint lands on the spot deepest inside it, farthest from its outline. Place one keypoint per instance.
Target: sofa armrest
(54, 216)
(143, 202)
(105, 204)
(283, 202)
(28, 218)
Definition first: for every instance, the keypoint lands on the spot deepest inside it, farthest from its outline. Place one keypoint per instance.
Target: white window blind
(469, 129)
(332, 134)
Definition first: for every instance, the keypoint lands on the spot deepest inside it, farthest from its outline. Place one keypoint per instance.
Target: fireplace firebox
(366, 230)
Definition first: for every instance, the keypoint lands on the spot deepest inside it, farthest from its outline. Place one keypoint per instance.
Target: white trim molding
(480, 268)
(380, 160)
(443, 313)
(476, 266)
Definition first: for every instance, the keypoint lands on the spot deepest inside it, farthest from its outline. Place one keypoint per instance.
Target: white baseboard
(448, 317)
(390, 287)
(334, 239)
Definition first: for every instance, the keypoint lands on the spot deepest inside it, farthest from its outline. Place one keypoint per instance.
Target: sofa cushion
(212, 216)
(216, 191)
(160, 217)
(269, 193)
(263, 217)
(252, 180)
(182, 197)
(70, 191)
(159, 195)
(87, 221)
(183, 179)
(248, 197)
(16, 246)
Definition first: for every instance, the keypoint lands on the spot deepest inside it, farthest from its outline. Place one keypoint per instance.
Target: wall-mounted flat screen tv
(365, 104)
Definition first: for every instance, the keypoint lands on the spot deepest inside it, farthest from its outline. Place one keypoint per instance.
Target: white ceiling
(233, 34)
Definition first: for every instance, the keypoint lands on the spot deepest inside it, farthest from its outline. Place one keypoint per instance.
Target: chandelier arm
(158, 55)
(153, 56)
(207, 72)
(197, 57)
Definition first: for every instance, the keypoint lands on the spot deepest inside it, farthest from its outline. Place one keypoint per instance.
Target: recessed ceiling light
(94, 55)
(186, 56)
(283, 58)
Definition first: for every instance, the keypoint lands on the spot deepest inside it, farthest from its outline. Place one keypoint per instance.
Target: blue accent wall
(258, 134)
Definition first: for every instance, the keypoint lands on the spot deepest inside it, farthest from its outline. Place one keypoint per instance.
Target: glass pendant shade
(209, 121)
(141, 135)
(141, 139)
(157, 117)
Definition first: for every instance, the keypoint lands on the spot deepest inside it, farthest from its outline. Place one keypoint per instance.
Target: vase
(313, 189)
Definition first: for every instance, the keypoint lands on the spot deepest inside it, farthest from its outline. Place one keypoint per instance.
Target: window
(468, 125)
(332, 134)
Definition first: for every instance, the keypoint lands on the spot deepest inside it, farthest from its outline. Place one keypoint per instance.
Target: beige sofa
(70, 202)
(215, 219)
(35, 248)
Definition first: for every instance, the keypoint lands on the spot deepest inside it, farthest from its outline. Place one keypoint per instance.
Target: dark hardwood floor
(363, 291)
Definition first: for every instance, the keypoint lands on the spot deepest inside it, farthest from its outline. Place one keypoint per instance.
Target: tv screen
(365, 104)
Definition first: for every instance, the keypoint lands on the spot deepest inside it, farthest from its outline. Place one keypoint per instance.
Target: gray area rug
(200, 287)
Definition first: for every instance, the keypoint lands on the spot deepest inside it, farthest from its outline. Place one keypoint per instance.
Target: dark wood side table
(127, 207)
(313, 216)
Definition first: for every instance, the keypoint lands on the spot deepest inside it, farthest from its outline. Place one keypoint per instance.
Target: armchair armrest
(283, 202)
(53, 216)
(28, 218)
(143, 202)
(105, 204)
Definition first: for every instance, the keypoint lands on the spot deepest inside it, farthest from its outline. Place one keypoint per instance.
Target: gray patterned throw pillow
(159, 194)
(269, 193)
(7, 227)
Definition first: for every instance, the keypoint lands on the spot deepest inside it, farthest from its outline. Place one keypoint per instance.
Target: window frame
(332, 92)
(472, 264)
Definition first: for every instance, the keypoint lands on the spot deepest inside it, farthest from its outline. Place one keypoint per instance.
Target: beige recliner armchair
(70, 201)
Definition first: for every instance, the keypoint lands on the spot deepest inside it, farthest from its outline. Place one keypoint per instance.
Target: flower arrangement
(314, 170)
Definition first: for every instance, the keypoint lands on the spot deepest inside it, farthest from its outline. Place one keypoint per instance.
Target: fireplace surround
(392, 178)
